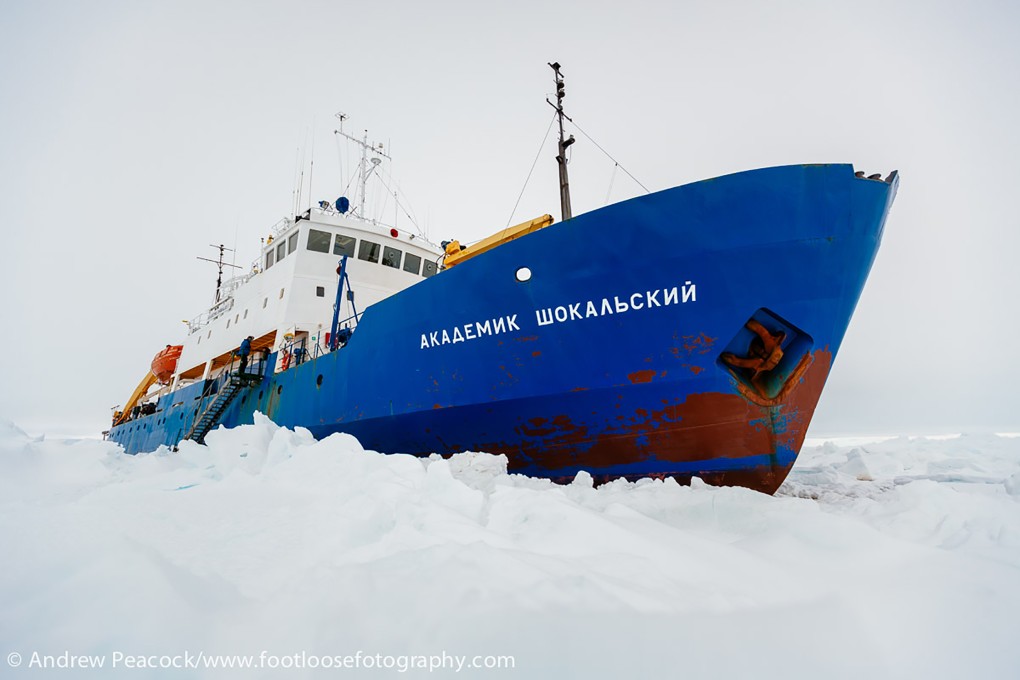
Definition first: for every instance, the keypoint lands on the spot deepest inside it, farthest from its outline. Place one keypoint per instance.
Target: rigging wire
(351, 178)
(409, 210)
(294, 193)
(301, 183)
(647, 191)
(398, 203)
(340, 158)
(612, 178)
(380, 202)
(311, 166)
(533, 164)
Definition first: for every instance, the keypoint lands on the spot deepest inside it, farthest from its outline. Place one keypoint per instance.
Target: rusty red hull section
(691, 434)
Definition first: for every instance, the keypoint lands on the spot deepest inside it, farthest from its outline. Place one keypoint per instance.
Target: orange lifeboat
(165, 363)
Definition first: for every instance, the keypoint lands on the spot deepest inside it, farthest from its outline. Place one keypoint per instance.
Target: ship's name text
(660, 297)
(646, 300)
(470, 331)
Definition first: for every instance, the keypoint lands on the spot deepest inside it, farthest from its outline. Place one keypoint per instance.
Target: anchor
(763, 355)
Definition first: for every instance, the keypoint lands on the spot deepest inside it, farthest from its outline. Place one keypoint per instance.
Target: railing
(255, 367)
(214, 312)
(282, 225)
(294, 353)
(300, 350)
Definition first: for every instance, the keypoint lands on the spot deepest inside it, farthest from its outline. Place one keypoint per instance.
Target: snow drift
(892, 559)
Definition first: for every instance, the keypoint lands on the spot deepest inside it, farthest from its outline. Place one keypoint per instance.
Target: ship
(683, 333)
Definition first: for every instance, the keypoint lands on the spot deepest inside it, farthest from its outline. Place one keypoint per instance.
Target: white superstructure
(287, 300)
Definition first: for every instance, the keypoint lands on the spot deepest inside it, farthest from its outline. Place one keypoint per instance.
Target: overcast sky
(134, 134)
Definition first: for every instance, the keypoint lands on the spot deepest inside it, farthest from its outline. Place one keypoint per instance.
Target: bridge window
(344, 245)
(292, 243)
(269, 259)
(369, 251)
(412, 263)
(318, 241)
(391, 257)
(281, 251)
(429, 268)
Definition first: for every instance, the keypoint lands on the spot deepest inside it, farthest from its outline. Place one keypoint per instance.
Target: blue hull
(644, 343)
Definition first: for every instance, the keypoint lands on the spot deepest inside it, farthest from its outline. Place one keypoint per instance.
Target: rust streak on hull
(703, 428)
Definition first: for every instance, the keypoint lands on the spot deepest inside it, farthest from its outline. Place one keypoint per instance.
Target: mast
(221, 264)
(364, 170)
(561, 157)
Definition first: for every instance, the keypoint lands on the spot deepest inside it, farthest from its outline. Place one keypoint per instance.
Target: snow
(881, 558)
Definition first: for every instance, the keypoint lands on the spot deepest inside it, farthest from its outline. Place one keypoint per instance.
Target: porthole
(260, 396)
(523, 274)
(318, 381)
(279, 390)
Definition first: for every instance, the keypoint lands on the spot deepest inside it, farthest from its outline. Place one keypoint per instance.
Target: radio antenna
(221, 264)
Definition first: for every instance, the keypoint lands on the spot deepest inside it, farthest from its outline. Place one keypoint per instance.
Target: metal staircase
(211, 416)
